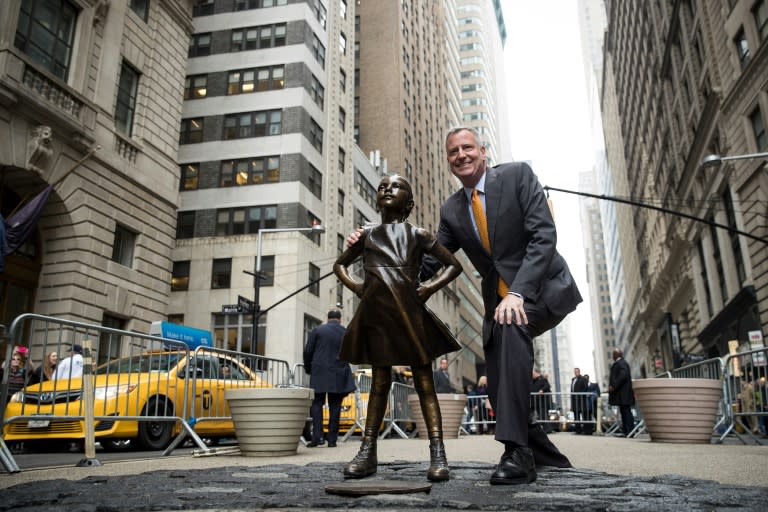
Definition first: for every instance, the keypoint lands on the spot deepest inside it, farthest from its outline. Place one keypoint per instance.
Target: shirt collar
(480, 186)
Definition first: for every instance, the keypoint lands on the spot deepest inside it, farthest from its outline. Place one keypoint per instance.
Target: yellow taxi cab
(155, 384)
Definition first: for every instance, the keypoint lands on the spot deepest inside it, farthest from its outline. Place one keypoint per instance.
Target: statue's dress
(392, 326)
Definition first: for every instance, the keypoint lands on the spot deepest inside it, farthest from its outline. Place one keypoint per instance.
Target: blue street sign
(191, 336)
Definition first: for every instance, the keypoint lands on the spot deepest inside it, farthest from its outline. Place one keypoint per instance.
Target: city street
(610, 473)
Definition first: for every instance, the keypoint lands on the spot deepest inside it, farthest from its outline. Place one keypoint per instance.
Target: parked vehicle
(153, 385)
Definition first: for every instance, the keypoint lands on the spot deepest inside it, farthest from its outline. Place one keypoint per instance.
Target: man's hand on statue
(354, 237)
(510, 310)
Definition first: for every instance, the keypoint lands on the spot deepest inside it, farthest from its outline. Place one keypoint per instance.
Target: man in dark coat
(578, 402)
(620, 391)
(501, 220)
(591, 402)
(328, 376)
(442, 379)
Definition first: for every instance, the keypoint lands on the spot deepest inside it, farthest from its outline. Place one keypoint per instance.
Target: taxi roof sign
(192, 336)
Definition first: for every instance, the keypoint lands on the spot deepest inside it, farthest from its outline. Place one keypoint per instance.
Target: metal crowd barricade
(745, 400)
(478, 415)
(216, 370)
(399, 417)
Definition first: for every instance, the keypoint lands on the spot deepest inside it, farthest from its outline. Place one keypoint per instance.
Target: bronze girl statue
(392, 325)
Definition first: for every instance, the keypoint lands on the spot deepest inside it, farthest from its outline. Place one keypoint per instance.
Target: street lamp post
(257, 274)
(715, 160)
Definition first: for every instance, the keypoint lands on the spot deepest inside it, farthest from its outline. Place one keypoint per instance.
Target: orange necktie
(482, 229)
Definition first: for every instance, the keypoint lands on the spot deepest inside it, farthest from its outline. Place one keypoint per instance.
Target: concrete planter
(269, 421)
(678, 410)
(451, 409)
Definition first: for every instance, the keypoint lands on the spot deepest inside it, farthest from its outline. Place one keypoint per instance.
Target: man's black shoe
(516, 467)
(331, 445)
(313, 444)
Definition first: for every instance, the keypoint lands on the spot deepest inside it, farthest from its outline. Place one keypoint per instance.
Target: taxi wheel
(156, 434)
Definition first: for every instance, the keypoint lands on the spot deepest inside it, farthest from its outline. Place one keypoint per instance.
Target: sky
(550, 127)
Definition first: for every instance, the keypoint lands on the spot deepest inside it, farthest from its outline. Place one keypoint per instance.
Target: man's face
(576, 372)
(443, 364)
(466, 157)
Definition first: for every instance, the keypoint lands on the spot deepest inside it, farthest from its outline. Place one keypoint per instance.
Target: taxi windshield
(143, 363)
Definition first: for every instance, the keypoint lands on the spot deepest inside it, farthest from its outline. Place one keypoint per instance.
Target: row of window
(221, 274)
(245, 125)
(256, 38)
(239, 221)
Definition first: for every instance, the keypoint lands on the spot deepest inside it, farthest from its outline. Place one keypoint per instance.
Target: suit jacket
(620, 381)
(578, 385)
(328, 374)
(523, 238)
(442, 382)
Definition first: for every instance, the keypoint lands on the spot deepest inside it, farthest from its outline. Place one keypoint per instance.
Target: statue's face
(393, 193)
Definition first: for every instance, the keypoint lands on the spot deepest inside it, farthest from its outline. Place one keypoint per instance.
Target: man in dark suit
(578, 402)
(594, 394)
(442, 379)
(328, 376)
(502, 222)
(620, 391)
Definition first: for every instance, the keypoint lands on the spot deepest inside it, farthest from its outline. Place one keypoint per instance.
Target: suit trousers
(334, 415)
(509, 362)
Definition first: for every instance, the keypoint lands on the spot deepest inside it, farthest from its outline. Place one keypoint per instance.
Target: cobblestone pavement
(302, 487)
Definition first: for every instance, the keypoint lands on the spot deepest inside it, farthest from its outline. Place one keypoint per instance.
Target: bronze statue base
(368, 487)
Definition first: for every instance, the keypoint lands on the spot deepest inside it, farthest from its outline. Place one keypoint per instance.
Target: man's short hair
(334, 313)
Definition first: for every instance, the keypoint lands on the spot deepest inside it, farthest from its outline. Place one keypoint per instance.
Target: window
(46, 33)
(233, 332)
(258, 4)
(221, 273)
(342, 159)
(199, 45)
(730, 213)
(126, 99)
(267, 270)
(185, 225)
(343, 80)
(343, 9)
(341, 244)
(320, 12)
(758, 129)
(195, 87)
(122, 248)
(251, 171)
(316, 135)
(109, 342)
(317, 92)
(239, 221)
(310, 323)
(340, 203)
(312, 220)
(365, 189)
(342, 119)
(360, 219)
(318, 51)
(190, 176)
(314, 279)
(742, 47)
(177, 318)
(191, 131)
(257, 79)
(315, 182)
(760, 13)
(253, 124)
(202, 8)
(180, 276)
(254, 38)
(141, 8)
(342, 43)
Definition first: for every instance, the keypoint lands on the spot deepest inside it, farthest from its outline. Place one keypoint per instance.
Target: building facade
(90, 97)
(689, 79)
